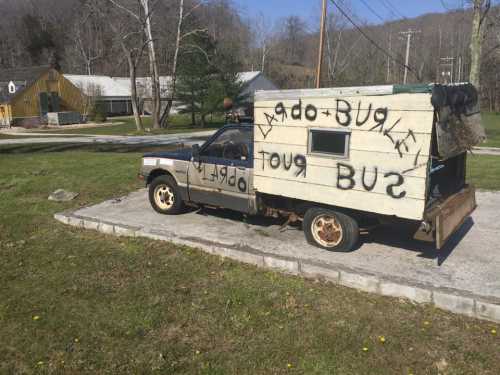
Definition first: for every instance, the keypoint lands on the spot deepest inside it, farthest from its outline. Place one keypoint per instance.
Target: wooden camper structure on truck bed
(396, 151)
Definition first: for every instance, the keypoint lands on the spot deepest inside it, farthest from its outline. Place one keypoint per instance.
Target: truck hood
(181, 154)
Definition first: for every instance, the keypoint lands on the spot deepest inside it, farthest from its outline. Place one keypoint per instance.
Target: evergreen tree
(205, 77)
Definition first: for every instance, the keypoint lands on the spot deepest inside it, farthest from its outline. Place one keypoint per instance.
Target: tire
(165, 197)
(342, 230)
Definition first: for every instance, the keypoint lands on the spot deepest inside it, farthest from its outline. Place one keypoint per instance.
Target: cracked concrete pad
(386, 262)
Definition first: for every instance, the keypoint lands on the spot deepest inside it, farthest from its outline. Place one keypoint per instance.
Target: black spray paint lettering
(223, 176)
(280, 110)
(345, 172)
(346, 180)
(345, 111)
(379, 116)
(390, 187)
(402, 143)
(277, 161)
(365, 185)
(297, 111)
(368, 113)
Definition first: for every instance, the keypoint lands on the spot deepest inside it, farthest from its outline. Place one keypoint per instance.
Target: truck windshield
(232, 144)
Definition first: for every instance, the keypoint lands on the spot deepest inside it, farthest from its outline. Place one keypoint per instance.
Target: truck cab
(218, 173)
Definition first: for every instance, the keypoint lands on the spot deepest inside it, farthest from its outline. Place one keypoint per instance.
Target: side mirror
(196, 152)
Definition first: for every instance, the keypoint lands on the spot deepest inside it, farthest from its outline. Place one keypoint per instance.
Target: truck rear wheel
(165, 197)
(330, 230)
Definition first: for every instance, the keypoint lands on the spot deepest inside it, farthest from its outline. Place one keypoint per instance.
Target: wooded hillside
(74, 34)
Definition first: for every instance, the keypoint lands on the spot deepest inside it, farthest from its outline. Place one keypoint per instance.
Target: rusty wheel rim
(164, 197)
(326, 230)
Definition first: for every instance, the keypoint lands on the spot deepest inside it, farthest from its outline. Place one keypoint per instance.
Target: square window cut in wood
(329, 142)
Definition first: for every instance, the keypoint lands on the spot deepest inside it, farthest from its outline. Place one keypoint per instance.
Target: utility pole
(408, 35)
(459, 79)
(321, 44)
(388, 77)
(450, 62)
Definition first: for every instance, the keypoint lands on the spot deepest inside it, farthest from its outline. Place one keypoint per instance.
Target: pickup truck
(337, 160)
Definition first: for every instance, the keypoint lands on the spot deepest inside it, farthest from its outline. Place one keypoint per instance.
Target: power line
(372, 11)
(393, 9)
(367, 37)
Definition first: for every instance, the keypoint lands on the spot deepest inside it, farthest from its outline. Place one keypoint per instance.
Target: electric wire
(373, 11)
(394, 9)
(373, 42)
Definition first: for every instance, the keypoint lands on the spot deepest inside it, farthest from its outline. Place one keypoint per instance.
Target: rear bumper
(445, 217)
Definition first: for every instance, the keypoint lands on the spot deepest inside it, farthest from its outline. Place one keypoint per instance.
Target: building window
(12, 88)
(329, 142)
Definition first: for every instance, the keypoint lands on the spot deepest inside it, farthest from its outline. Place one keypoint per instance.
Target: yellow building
(28, 94)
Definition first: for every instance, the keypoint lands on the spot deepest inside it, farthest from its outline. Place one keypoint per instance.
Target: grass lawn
(75, 301)
(178, 124)
(491, 123)
(484, 171)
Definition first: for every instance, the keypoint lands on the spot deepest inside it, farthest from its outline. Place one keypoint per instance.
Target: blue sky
(310, 9)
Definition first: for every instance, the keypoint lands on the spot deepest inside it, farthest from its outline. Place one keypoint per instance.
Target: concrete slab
(463, 278)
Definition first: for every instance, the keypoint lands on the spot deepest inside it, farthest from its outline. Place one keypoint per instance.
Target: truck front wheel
(330, 230)
(164, 196)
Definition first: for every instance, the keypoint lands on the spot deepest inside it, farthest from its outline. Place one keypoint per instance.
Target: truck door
(221, 176)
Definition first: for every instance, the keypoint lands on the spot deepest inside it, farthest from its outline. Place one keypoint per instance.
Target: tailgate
(449, 215)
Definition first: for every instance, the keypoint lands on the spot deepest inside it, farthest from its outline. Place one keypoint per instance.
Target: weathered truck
(337, 159)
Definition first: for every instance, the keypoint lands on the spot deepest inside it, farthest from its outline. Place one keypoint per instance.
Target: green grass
(484, 171)
(491, 123)
(133, 306)
(178, 124)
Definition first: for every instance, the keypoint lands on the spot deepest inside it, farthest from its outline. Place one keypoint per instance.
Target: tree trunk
(193, 118)
(476, 42)
(166, 112)
(153, 67)
(133, 91)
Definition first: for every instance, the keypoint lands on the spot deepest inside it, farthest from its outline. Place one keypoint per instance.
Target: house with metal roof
(115, 92)
(28, 94)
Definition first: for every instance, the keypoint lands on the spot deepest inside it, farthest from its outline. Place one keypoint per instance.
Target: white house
(115, 91)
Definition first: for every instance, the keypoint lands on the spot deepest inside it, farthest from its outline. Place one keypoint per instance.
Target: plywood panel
(385, 170)
(408, 164)
(396, 102)
(408, 208)
(343, 176)
(398, 144)
(392, 121)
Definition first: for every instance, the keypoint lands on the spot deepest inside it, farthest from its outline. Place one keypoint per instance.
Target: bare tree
(87, 42)
(143, 17)
(263, 38)
(179, 37)
(128, 35)
(480, 10)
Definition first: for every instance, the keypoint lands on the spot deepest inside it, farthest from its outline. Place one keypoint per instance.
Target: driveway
(464, 277)
(150, 140)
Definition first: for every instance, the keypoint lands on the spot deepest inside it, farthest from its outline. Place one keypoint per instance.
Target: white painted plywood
(390, 137)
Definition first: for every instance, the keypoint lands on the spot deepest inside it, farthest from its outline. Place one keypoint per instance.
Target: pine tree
(205, 77)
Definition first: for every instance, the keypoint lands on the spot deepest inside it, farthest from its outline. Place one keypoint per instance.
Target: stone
(358, 281)
(61, 195)
(290, 266)
(312, 270)
(454, 303)
(405, 291)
